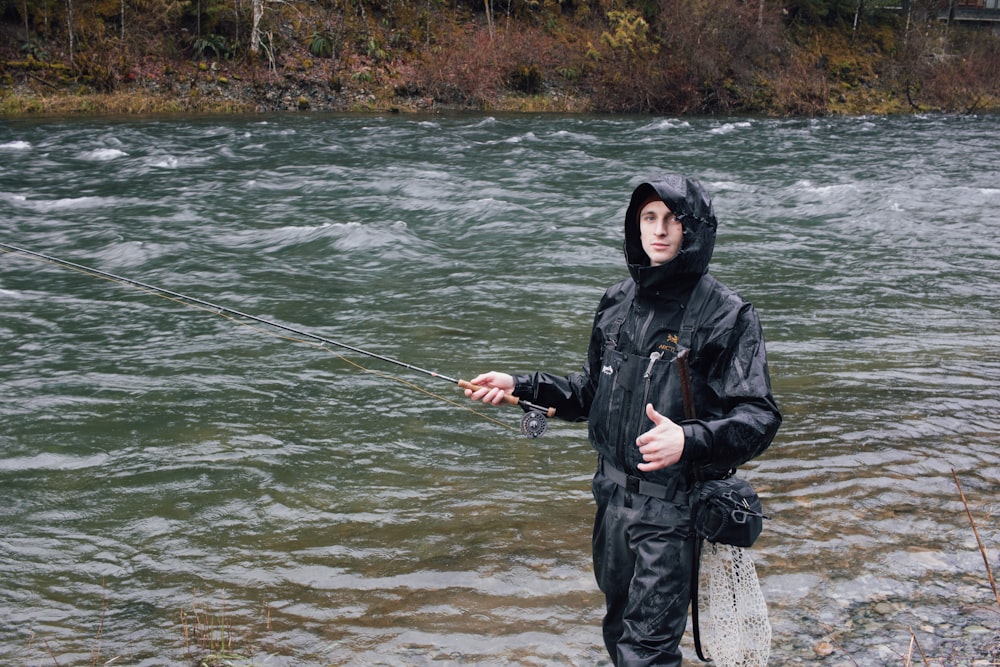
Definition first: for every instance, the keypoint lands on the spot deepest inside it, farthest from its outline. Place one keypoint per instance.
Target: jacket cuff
(524, 387)
(696, 447)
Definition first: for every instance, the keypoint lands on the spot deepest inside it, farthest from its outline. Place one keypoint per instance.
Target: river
(174, 482)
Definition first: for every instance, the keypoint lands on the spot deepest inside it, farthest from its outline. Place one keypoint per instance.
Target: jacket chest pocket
(616, 410)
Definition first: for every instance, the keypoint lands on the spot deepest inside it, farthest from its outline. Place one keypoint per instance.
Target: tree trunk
(907, 9)
(489, 15)
(69, 27)
(258, 14)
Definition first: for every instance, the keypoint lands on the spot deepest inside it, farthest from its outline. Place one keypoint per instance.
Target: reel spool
(534, 424)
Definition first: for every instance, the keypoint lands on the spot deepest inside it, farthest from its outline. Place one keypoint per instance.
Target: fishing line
(533, 423)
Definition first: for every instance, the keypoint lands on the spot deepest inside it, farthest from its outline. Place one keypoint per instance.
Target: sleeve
(738, 414)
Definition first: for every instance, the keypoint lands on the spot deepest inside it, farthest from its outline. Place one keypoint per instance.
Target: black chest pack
(727, 511)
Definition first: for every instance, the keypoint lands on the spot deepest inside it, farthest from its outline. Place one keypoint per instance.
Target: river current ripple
(166, 474)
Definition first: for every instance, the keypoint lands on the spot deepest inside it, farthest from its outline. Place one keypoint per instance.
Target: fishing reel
(534, 423)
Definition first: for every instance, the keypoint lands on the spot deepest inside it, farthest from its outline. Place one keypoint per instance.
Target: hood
(692, 205)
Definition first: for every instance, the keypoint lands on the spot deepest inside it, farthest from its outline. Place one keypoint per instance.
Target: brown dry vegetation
(654, 56)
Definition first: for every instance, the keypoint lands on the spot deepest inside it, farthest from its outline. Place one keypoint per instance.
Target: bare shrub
(644, 85)
(801, 87)
(634, 73)
(460, 68)
(963, 79)
(723, 46)
(695, 56)
(468, 65)
(944, 68)
(533, 60)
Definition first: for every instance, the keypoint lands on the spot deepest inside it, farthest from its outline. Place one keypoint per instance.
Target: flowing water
(171, 480)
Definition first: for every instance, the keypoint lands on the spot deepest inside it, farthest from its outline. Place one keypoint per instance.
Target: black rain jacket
(632, 355)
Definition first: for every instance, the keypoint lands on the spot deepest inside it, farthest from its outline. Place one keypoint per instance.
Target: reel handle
(509, 399)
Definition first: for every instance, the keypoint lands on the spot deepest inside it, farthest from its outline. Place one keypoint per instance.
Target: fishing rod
(533, 422)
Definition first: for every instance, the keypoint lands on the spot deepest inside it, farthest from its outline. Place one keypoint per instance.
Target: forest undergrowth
(683, 57)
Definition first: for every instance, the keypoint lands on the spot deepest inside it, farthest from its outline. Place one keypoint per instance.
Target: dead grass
(126, 103)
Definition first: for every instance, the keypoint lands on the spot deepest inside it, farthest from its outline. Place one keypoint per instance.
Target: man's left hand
(662, 445)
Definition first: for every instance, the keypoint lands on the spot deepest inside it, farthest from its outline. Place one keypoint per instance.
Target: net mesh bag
(732, 613)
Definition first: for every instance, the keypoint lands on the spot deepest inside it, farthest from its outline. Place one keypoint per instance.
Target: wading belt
(638, 485)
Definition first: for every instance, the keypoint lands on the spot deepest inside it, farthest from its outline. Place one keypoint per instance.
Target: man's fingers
(653, 415)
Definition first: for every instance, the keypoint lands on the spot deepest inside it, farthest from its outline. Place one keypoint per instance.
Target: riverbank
(225, 87)
(202, 87)
(576, 67)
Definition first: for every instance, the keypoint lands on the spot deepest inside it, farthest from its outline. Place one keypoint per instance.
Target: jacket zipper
(647, 376)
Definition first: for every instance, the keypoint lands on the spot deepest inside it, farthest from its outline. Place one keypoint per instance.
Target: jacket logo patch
(608, 370)
(669, 347)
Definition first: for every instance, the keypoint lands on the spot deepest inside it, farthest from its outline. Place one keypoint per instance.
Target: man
(649, 455)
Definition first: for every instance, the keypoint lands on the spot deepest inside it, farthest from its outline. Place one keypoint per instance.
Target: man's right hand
(493, 386)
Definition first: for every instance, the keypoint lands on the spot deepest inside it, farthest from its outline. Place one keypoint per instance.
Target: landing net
(733, 623)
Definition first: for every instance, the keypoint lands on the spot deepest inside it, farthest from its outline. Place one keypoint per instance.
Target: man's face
(660, 232)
